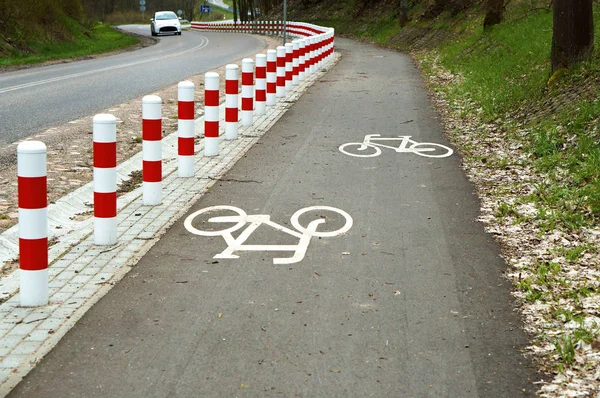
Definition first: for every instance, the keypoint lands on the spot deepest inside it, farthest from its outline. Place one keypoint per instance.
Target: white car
(165, 22)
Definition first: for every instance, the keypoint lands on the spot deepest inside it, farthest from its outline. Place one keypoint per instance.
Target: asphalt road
(33, 100)
(410, 302)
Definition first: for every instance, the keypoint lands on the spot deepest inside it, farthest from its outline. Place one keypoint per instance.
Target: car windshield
(163, 16)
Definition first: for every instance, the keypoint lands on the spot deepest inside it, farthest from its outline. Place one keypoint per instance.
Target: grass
(99, 39)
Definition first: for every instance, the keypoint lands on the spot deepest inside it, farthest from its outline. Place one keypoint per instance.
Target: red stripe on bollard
(29, 189)
(261, 95)
(247, 103)
(231, 114)
(152, 130)
(185, 146)
(105, 204)
(211, 97)
(109, 154)
(211, 129)
(247, 79)
(231, 86)
(185, 110)
(33, 254)
(152, 171)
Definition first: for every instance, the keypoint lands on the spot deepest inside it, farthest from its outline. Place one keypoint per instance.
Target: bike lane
(408, 302)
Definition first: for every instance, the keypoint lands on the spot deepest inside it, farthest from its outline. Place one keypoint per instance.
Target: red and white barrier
(33, 223)
(280, 71)
(211, 114)
(152, 150)
(295, 62)
(289, 68)
(186, 129)
(104, 128)
(247, 91)
(301, 59)
(261, 84)
(232, 116)
(310, 68)
(271, 77)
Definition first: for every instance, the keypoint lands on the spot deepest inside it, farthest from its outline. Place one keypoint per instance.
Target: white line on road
(204, 43)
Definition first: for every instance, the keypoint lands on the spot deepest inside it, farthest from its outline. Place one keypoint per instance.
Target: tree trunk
(572, 33)
(403, 12)
(494, 13)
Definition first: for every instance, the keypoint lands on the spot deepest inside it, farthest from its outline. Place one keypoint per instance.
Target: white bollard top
(151, 99)
(31, 159)
(271, 55)
(211, 81)
(185, 91)
(151, 107)
(296, 44)
(31, 147)
(104, 128)
(231, 72)
(261, 60)
(289, 47)
(104, 118)
(280, 51)
(186, 84)
(247, 65)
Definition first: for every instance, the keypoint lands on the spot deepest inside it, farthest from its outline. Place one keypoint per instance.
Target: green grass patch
(566, 148)
(99, 39)
(503, 67)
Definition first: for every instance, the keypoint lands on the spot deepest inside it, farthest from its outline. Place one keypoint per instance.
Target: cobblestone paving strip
(81, 272)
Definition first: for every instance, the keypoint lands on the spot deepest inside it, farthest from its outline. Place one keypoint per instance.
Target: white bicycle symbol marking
(256, 220)
(427, 149)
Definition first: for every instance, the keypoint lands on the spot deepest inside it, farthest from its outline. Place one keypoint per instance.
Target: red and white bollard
(271, 77)
(104, 128)
(301, 59)
(295, 62)
(247, 91)
(211, 114)
(152, 150)
(261, 84)
(232, 116)
(289, 68)
(33, 223)
(307, 48)
(280, 71)
(186, 129)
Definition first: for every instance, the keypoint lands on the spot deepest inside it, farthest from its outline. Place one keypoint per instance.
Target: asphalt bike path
(306, 271)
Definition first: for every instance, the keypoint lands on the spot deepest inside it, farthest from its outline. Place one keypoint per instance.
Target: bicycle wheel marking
(304, 234)
(370, 147)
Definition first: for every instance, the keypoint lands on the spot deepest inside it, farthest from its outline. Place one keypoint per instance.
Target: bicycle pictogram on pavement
(252, 221)
(372, 144)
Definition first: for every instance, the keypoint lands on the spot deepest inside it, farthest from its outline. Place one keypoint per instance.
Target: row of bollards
(271, 76)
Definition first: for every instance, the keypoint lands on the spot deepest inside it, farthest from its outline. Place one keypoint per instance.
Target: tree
(403, 12)
(494, 13)
(572, 32)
